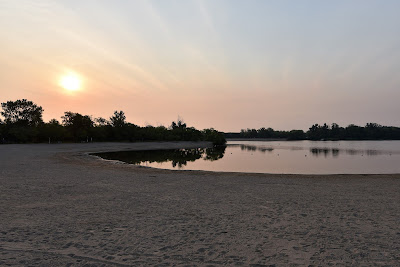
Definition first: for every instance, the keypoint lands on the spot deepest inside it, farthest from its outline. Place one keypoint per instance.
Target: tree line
(23, 123)
(371, 131)
(268, 133)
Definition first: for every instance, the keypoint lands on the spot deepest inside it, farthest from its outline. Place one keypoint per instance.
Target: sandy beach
(62, 207)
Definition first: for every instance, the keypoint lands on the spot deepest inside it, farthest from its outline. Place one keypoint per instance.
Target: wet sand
(61, 207)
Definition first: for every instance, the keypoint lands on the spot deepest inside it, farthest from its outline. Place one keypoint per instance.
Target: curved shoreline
(61, 206)
(73, 152)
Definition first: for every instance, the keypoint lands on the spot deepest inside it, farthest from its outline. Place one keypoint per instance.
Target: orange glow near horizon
(229, 65)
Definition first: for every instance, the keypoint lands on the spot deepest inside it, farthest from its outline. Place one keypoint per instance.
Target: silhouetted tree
(354, 132)
(101, 122)
(296, 135)
(2, 140)
(178, 129)
(314, 132)
(119, 129)
(336, 131)
(265, 133)
(118, 119)
(22, 112)
(178, 124)
(22, 119)
(374, 131)
(78, 126)
(52, 132)
(325, 131)
(211, 135)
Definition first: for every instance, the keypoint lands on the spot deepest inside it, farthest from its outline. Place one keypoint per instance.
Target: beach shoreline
(62, 206)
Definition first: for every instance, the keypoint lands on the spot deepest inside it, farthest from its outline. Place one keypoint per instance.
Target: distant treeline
(23, 123)
(371, 131)
(268, 133)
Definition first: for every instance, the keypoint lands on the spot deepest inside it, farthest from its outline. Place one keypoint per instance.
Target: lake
(297, 157)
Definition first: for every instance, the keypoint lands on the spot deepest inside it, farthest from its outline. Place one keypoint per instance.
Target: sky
(226, 64)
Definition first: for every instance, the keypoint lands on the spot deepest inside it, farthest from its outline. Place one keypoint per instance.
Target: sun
(70, 82)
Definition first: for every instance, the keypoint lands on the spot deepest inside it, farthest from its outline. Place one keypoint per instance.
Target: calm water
(301, 157)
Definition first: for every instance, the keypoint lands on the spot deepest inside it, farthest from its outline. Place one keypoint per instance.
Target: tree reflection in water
(178, 157)
(254, 148)
(352, 152)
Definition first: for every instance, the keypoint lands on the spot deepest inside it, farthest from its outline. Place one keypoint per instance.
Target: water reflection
(306, 157)
(214, 153)
(254, 148)
(177, 157)
(324, 151)
(316, 151)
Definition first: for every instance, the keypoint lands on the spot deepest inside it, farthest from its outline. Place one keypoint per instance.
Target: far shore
(61, 206)
(256, 139)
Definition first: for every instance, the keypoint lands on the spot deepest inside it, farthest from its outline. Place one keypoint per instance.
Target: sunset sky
(224, 64)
